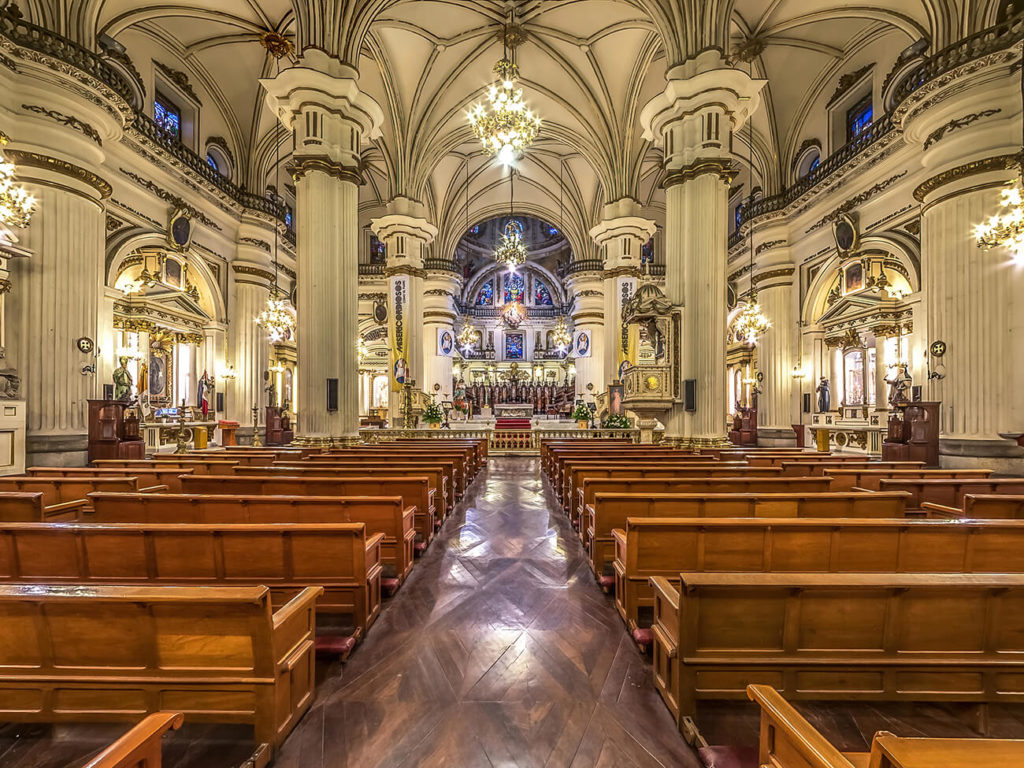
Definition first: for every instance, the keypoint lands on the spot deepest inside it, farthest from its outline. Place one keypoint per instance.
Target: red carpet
(508, 423)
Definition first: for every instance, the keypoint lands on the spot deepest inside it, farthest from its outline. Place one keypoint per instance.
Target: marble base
(775, 438)
(1004, 457)
(57, 450)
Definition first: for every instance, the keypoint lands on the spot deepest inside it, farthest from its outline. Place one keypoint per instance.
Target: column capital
(320, 100)
(405, 236)
(703, 101)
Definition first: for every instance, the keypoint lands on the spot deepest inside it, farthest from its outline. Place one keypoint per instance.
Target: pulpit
(114, 431)
(913, 434)
(744, 427)
(279, 428)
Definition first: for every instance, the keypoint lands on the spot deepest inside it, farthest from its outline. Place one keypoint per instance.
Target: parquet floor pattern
(499, 651)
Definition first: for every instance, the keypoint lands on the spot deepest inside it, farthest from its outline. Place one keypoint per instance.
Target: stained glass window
(167, 116)
(485, 298)
(378, 251)
(814, 164)
(475, 229)
(858, 118)
(647, 252)
(515, 288)
(738, 216)
(541, 294)
(552, 231)
(514, 346)
(212, 162)
(289, 217)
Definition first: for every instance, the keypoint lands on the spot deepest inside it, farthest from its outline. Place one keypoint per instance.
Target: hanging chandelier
(467, 337)
(562, 338)
(751, 323)
(16, 203)
(513, 315)
(1005, 229)
(505, 127)
(277, 318)
(511, 251)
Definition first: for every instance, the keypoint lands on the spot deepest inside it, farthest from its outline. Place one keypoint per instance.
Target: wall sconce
(798, 372)
(276, 367)
(228, 373)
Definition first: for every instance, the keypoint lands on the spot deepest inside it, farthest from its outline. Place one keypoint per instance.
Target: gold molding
(25, 159)
(405, 270)
(323, 164)
(720, 167)
(244, 269)
(762, 276)
(965, 171)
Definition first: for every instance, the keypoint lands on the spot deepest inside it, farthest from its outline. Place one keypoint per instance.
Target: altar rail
(506, 441)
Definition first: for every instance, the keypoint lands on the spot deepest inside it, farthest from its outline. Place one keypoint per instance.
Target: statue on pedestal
(899, 387)
(824, 396)
(122, 381)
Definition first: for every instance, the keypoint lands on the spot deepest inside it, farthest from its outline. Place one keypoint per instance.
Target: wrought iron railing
(584, 265)
(656, 270)
(442, 265)
(493, 313)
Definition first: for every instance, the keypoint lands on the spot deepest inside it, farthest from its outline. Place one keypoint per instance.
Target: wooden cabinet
(913, 434)
(278, 426)
(113, 432)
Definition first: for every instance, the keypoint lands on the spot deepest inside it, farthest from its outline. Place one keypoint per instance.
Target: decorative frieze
(855, 201)
(170, 197)
(25, 159)
(69, 120)
(956, 124)
(965, 171)
(180, 79)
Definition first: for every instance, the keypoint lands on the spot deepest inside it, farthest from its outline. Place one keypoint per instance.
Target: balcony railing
(371, 270)
(442, 265)
(493, 313)
(584, 265)
(656, 270)
(477, 354)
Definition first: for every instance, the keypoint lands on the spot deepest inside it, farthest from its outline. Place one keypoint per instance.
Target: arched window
(541, 294)
(218, 158)
(212, 162)
(515, 288)
(485, 297)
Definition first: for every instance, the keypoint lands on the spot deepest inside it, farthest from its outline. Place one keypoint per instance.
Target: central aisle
(499, 650)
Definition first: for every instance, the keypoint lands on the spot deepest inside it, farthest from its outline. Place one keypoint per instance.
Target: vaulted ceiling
(587, 66)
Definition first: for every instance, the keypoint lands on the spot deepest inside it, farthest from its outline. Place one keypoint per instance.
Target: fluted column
(320, 100)
(620, 235)
(57, 298)
(776, 352)
(250, 347)
(587, 290)
(972, 297)
(693, 119)
(406, 235)
(440, 289)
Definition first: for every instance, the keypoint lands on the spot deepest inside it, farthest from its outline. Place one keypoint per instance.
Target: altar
(513, 411)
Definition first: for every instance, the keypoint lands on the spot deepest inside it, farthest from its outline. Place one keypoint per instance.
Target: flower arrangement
(615, 421)
(433, 414)
(580, 412)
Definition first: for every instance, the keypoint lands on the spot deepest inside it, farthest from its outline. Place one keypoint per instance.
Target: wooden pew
(61, 490)
(477, 445)
(342, 558)
(565, 490)
(147, 476)
(198, 466)
(787, 740)
(666, 547)
(951, 492)
(386, 515)
(826, 636)
(216, 654)
(777, 460)
(31, 507)
(415, 491)
(472, 452)
(610, 510)
(585, 479)
(249, 459)
(440, 473)
(140, 747)
(635, 454)
(812, 468)
(981, 506)
(869, 478)
(548, 448)
(463, 472)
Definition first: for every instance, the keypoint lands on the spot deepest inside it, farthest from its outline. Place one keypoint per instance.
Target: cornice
(771, 274)
(25, 159)
(245, 269)
(304, 165)
(69, 120)
(720, 167)
(965, 171)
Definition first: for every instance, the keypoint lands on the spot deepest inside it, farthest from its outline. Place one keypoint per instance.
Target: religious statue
(824, 396)
(10, 381)
(459, 402)
(122, 381)
(202, 394)
(899, 386)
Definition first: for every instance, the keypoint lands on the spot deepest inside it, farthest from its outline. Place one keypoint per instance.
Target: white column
(777, 351)
(440, 289)
(620, 236)
(693, 119)
(406, 235)
(587, 290)
(882, 334)
(56, 299)
(250, 347)
(320, 100)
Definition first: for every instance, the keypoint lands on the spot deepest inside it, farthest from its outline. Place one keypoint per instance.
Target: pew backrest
(843, 479)
(145, 476)
(951, 492)
(141, 746)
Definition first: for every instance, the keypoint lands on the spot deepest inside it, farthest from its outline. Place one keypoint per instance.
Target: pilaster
(778, 408)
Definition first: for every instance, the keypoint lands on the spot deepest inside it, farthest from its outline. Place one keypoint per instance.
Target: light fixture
(467, 337)
(562, 338)
(229, 372)
(752, 322)
(278, 318)
(1005, 229)
(513, 315)
(276, 367)
(362, 350)
(506, 127)
(798, 371)
(16, 203)
(511, 251)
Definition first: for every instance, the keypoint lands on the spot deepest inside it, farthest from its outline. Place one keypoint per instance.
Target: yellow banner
(399, 332)
(629, 335)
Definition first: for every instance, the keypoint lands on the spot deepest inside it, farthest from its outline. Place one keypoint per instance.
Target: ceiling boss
(505, 126)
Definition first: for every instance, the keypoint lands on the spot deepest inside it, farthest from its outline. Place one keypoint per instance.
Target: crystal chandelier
(1005, 229)
(513, 315)
(467, 337)
(751, 323)
(507, 126)
(278, 318)
(511, 251)
(16, 203)
(562, 337)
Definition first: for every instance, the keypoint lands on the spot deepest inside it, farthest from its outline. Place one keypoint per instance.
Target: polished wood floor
(500, 650)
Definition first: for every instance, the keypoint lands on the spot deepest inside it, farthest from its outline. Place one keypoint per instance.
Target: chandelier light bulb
(562, 338)
(505, 126)
(467, 337)
(751, 323)
(278, 319)
(16, 203)
(512, 251)
(1005, 229)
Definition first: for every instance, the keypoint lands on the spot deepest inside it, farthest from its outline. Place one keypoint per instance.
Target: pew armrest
(141, 745)
(290, 620)
(373, 545)
(74, 508)
(663, 589)
(941, 511)
(619, 538)
(784, 731)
